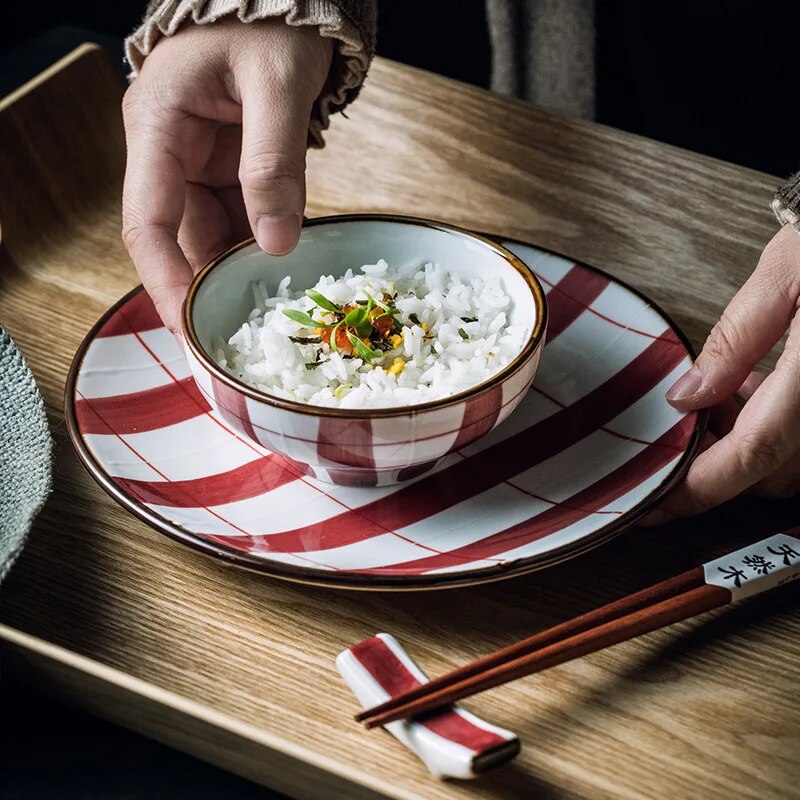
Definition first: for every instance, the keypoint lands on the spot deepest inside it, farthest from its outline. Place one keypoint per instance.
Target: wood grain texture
(239, 669)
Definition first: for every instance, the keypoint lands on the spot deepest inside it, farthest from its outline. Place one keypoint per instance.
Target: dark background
(716, 76)
(713, 76)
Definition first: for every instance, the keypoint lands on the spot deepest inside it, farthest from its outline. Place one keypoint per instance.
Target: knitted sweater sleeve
(351, 23)
(786, 204)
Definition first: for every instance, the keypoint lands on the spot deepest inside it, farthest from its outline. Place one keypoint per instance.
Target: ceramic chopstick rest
(452, 743)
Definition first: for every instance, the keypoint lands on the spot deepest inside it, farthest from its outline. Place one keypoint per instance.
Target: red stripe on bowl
(480, 416)
(147, 410)
(394, 678)
(232, 407)
(352, 477)
(266, 435)
(346, 441)
(349, 443)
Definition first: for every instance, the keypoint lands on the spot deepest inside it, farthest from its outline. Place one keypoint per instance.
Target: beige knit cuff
(786, 204)
(336, 19)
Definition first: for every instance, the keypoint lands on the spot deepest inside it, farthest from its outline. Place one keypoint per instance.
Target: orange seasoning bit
(383, 325)
(342, 341)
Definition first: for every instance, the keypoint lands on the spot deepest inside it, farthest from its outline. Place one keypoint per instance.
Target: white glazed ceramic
(354, 447)
(592, 447)
(451, 742)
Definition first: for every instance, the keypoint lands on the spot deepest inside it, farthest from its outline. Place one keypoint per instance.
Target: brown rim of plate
(331, 579)
(534, 340)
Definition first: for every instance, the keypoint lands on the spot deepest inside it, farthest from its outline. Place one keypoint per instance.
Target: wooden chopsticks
(746, 572)
(598, 616)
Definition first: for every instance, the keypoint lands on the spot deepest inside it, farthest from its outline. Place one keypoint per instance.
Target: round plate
(590, 450)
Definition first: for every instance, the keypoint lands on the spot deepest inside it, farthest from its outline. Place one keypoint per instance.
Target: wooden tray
(238, 669)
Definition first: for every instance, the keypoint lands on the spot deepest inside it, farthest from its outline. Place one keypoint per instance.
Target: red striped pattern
(488, 468)
(148, 410)
(265, 435)
(392, 675)
(580, 505)
(350, 444)
(570, 297)
(250, 480)
(480, 416)
(139, 315)
(594, 312)
(233, 407)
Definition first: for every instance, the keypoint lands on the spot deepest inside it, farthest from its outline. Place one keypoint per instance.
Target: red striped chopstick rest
(451, 742)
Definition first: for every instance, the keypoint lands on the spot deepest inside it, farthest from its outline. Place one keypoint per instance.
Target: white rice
(437, 360)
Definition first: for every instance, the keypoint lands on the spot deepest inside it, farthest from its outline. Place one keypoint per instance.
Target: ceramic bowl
(359, 447)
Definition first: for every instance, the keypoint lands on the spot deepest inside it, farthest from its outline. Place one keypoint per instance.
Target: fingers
(182, 118)
(205, 229)
(761, 449)
(214, 217)
(152, 208)
(751, 383)
(273, 162)
(233, 203)
(762, 446)
(782, 484)
(751, 325)
(671, 507)
(213, 220)
(723, 417)
(725, 414)
(785, 481)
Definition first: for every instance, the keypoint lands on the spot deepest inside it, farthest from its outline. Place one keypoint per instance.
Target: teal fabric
(25, 452)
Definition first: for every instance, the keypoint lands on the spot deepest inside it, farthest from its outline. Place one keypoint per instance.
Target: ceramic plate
(591, 448)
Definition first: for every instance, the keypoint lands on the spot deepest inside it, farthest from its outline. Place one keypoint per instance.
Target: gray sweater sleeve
(350, 23)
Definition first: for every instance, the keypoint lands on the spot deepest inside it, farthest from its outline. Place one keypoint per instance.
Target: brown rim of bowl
(534, 340)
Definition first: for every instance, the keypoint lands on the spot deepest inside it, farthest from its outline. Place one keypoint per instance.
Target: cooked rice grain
(437, 361)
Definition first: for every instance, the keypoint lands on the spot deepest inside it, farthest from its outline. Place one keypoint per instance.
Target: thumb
(272, 167)
(749, 328)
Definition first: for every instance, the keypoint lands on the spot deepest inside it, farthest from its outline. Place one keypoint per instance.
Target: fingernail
(278, 235)
(687, 385)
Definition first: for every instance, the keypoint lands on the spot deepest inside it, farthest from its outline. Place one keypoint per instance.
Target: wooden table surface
(238, 669)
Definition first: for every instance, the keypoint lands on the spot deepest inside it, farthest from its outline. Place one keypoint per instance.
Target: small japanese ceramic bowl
(359, 447)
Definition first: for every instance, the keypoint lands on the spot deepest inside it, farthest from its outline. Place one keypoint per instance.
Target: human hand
(216, 126)
(759, 445)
